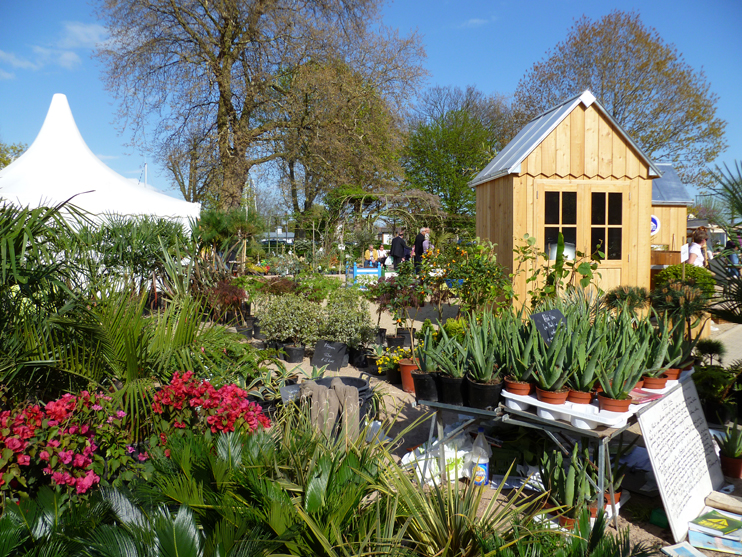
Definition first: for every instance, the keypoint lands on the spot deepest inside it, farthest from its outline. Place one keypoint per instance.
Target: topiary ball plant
(695, 276)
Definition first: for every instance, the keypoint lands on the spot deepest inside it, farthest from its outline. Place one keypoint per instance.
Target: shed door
(591, 216)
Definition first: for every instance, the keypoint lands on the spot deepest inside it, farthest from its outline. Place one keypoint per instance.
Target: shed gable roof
(508, 161)
(669, 189)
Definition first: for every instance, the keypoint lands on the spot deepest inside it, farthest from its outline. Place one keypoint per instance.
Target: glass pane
(569, 207)
(615, 208)
(614, 243)
(597, 236)
(570, 241)
(551, 207)
(598, 208)
(551, 237)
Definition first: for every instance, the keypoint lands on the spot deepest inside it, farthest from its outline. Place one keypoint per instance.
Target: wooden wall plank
(577, 141)
(548, 154)
(605, 148)
(563, 138)
(632, 164)
(591, 142)
(644, 212)
(619, 155)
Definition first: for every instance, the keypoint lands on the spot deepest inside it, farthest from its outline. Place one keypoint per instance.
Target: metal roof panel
(669, 189)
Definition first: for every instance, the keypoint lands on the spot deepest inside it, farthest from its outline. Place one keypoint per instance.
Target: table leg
(441, 446)
(610, 484)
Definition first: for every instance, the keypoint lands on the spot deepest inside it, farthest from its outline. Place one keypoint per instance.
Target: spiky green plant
(730, 442)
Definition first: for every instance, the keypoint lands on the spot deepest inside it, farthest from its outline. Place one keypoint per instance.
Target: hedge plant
(291, 317)
(698, 276)
(347, 318)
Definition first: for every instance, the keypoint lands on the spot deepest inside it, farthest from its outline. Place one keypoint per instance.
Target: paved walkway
(731, 335)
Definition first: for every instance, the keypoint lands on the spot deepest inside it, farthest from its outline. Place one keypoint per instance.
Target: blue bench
(365, 272)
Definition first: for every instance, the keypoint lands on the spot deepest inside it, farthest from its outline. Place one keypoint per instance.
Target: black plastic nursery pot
(380, 336)
(395, 342)
(358, 357)
(452, 390)
(256, 330)
(425, 386)
(245, 332)
(483, 395)
(394, 376)
(372, 362)
(405, 334)
(293, 354)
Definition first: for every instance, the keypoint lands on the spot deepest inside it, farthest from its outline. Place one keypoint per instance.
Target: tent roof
(508, 160)
(59, 165)
(669, 188)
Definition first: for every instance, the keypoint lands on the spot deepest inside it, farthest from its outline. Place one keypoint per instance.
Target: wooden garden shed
(670, 202)
(572, 170)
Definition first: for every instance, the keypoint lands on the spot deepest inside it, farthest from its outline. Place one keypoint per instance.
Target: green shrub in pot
(290, 317)
(347, 319)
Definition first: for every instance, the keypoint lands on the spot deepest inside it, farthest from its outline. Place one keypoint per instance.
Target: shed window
(560, 215)
(606, 222)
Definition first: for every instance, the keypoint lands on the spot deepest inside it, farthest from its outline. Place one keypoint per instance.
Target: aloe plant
(567, 488)
(585, 348)
(449, 355)
(481, 348)
(425, 359)
(619, 376)
(520, 341)
(549, 370)
(659, 343)
(730, 443)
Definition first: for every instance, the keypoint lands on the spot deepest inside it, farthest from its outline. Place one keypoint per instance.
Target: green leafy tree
(10, 151)
(444, 154)
(665, 105)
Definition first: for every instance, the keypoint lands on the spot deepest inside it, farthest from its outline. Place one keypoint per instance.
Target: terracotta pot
(517, 387)
(731, 467)
(616, 497)
(566, 522)
(672, 374)
(406, 367)
(655, 382)
(579, 397)
(612, 404)
(598, 389)
(552, 397)
(639, 384)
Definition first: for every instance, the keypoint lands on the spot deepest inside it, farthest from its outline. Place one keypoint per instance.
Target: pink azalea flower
(97, 407)
(24, 460)
(44, 455)
(143, 457)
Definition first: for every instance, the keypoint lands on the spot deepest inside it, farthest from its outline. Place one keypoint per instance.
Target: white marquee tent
(59, 165)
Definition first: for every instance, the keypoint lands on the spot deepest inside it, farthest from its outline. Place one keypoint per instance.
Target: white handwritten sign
(684, 253)
(682, 454)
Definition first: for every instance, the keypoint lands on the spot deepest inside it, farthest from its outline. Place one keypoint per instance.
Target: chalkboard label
(547, 323)
(330, 354)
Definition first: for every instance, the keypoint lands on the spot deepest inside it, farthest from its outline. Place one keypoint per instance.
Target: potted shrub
(568, 487)
(389, 364)
(549, 370)
(482, 380)
(347, 319)
(451, 357)
(730, 446)
(294, 319)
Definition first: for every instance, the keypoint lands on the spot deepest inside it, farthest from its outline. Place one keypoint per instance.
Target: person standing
(697, 251)
(418, 253)
(397, 249)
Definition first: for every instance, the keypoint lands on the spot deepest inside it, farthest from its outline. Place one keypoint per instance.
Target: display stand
(602, 436)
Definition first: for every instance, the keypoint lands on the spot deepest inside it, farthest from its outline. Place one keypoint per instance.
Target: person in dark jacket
(419, 239)
(397, 249)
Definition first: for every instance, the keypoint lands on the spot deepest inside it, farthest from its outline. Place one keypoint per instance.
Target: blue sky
(46, 47)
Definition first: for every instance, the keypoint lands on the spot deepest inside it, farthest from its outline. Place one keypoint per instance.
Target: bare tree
(664, 104)
(219, 67)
